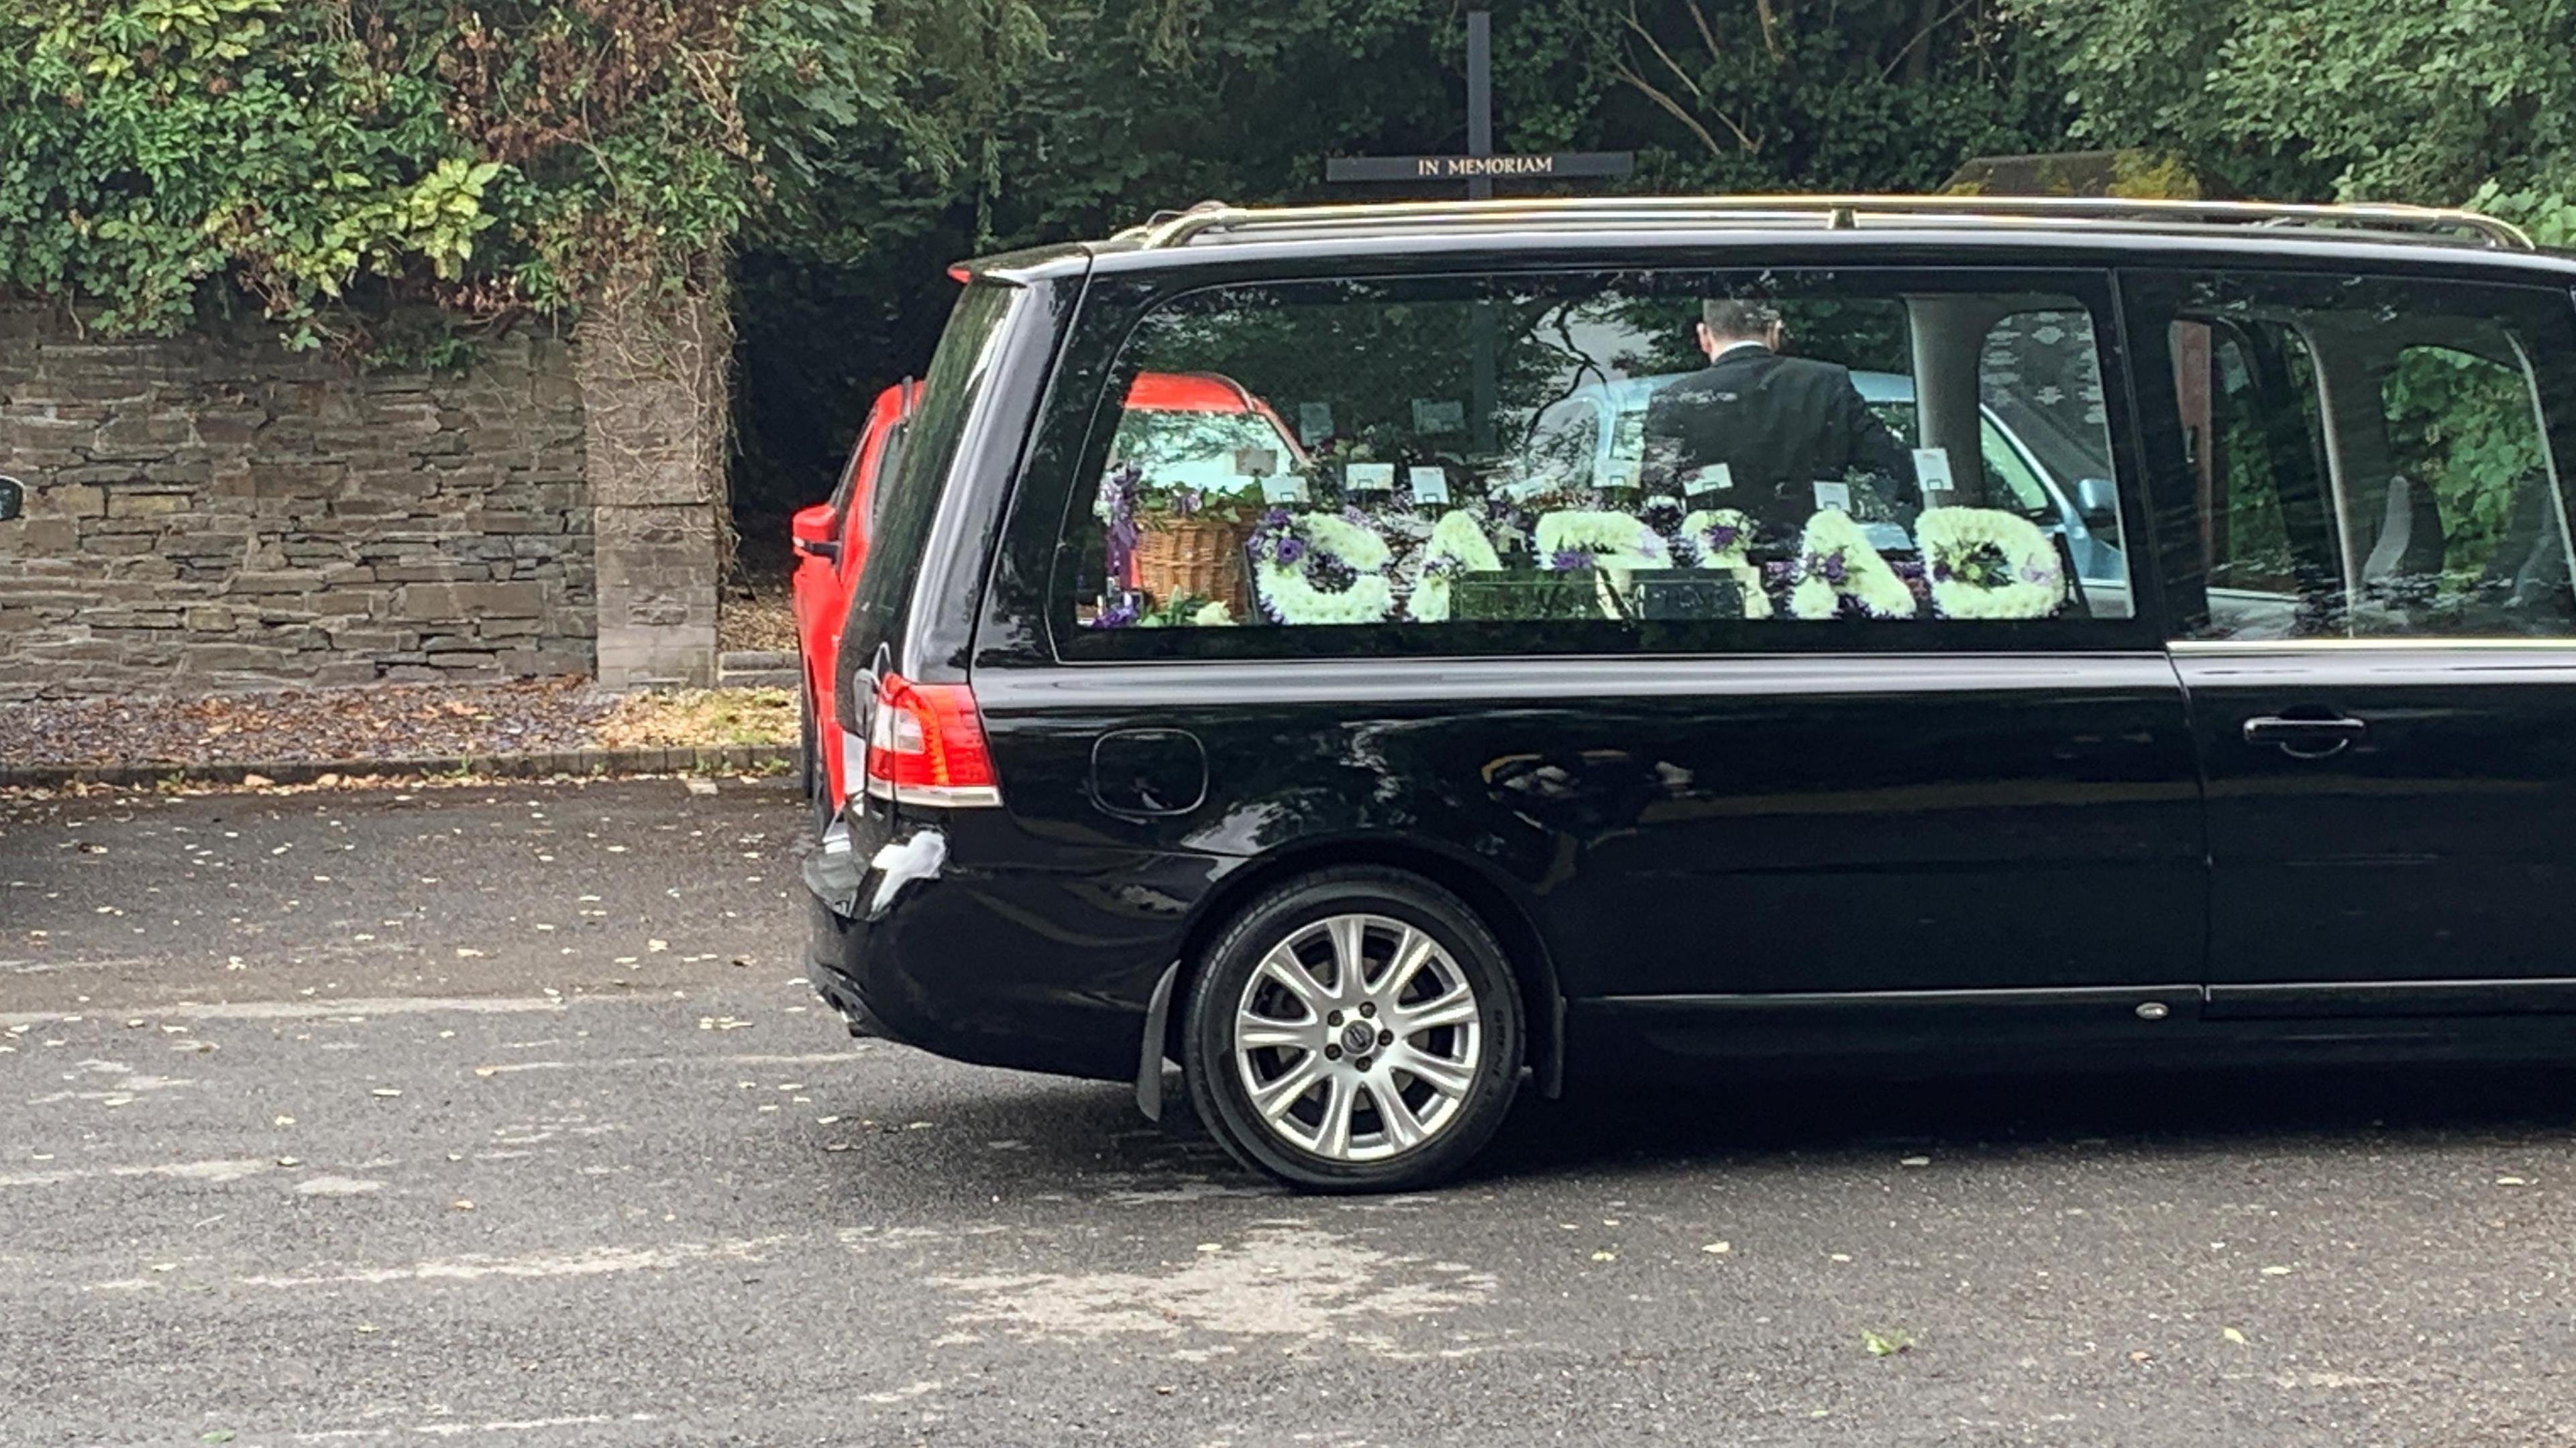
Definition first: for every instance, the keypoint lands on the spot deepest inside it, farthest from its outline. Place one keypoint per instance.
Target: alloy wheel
(1357, 1038)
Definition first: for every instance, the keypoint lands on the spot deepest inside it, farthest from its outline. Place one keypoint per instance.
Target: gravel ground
(499, 1115)
(395, 721)
(385, 721)
(759, 617)
(757, 610)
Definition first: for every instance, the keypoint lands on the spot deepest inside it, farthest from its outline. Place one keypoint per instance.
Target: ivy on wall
(159, 158)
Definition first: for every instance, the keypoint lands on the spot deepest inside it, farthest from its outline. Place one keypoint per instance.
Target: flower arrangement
(1115, 507)
(1986, 563)
(1840, 575)
(1714, 538)
(1664, 513)
(1320, 568)
(1187, 611)
(1717, 539)
(1597, 538)
(1173, 541)
(1457, 545)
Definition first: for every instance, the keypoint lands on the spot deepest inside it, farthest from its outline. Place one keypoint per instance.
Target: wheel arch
(1525, 949)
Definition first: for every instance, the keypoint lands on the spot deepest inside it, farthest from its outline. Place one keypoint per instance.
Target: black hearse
(1370, 759)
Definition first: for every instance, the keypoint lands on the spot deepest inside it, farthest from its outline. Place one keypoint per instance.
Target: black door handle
(2299, 738)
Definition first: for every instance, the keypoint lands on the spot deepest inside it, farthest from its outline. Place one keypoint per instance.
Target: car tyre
(1271, 1046)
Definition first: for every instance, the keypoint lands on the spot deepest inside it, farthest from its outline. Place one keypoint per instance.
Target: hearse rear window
(1646, 460)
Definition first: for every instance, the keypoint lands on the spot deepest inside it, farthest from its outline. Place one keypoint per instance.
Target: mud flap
(1149, 1054)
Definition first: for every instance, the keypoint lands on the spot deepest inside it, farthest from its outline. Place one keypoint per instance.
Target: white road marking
(897, 1395)
(819, 1058)
(449, 1430)
(1302, 1283)
(195, 1171)
(520, 1425)
(47, 967)
(307, 1010)
(589, 1263)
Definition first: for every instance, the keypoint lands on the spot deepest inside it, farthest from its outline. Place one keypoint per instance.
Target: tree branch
(1770, 27)
(1661, 54)
(1921, 36)
(1744, 143)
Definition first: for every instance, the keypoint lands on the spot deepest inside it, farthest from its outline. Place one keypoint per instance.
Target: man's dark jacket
(1780, 424)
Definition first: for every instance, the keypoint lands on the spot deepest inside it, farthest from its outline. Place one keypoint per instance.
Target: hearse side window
(1639, 461)
(2371, 457)
(910, 481)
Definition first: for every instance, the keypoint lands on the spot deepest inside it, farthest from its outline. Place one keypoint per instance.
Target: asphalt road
(501, 1115)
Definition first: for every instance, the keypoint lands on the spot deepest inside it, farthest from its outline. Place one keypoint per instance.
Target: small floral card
(1369, 477)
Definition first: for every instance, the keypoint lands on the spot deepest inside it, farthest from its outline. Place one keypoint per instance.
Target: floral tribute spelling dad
(1330, 543)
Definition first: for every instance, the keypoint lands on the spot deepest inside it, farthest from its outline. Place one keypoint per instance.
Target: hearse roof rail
(1213, 220)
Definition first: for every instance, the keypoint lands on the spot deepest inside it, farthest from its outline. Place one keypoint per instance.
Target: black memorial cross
(1479, 168)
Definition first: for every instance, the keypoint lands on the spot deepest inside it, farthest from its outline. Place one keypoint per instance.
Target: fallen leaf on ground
(1885, 1344)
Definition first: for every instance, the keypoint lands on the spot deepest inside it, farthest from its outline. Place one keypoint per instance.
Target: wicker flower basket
(1200, 556)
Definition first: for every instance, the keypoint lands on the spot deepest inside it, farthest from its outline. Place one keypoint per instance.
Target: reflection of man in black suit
(1779, 424)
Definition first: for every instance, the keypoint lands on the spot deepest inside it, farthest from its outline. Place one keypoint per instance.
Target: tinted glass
(906, 498)
(2372, 457)
(1601, 462)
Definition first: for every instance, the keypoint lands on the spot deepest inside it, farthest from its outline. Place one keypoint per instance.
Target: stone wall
(208, 513)
(653, 366)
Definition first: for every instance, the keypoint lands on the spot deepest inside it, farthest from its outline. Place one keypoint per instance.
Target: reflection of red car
(832, 538)
(831, 543)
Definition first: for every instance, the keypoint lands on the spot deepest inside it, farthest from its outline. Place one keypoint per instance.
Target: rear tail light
(926, 746)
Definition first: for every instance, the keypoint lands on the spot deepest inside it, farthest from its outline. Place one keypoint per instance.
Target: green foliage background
(2427, 101)
(319, 162)
(1131, 106)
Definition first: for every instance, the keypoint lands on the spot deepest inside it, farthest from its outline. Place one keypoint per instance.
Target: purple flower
(1569, 559)
(1834, 569)
(1722, 537)
(1289, 549)
(1118, 543)
(1121, 614)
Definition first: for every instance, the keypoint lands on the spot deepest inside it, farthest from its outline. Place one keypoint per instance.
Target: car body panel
(820, 586)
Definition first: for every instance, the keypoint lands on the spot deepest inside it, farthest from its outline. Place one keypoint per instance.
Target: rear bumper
(1036, 967)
